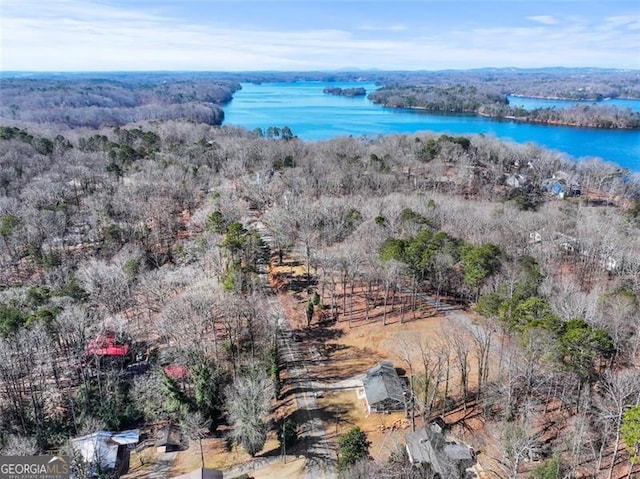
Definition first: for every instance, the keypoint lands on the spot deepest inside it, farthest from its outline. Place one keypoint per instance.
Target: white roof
(97, 448)
(127, 437)
(101, 447)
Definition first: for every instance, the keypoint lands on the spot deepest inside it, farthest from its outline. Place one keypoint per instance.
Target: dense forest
(97, 102)
(145, 234)
(569, 83)
(94, 100)
(455, 98)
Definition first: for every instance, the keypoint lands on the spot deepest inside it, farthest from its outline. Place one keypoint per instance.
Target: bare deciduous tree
(619, 390)
(196, 427)
(248, 403)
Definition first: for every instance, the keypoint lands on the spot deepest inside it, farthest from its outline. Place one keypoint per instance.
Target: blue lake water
(313, 115)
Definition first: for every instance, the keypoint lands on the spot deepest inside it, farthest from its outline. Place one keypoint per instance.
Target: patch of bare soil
(292, 469)
(218, 454)
(345, 409)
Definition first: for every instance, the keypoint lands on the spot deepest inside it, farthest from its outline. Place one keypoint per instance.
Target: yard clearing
(346, 340)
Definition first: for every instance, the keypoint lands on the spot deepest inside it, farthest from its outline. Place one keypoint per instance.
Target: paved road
(321, 462)
(320, 457)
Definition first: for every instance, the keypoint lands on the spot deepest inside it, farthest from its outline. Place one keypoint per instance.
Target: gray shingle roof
(382, 383)
(449, 460)
(458, 452)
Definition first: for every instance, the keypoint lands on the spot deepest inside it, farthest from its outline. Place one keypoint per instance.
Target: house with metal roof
(383, 389)
(105, 450)
(105, 346)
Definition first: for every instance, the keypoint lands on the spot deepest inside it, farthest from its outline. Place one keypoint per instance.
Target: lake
(314, 115)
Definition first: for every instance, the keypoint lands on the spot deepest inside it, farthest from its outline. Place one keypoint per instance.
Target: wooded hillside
(143, 235)
(96, 102)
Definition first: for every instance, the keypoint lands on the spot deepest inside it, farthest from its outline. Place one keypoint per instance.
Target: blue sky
(121, 35)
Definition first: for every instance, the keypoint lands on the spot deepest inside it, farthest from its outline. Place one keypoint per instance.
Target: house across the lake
(383, 389)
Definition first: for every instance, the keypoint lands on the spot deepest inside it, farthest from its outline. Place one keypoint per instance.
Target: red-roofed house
(106, 346)
(176, 371)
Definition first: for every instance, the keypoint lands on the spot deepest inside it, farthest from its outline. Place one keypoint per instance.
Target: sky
(303, 35)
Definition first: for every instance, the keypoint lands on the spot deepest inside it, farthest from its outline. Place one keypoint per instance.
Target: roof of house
(439, 422)
(416, 446)
(428, 445)
(458, 452)
(201, 473)
(106, 346)
(169, 435)
(176, 371)
(101, 447)
(132, 436)
(382, 382)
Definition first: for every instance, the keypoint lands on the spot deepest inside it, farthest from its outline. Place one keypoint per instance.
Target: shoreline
(507, 117)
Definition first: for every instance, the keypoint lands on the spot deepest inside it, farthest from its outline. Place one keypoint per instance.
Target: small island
(359, 91)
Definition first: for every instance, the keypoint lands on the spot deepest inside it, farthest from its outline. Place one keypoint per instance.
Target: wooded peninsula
(487, 95)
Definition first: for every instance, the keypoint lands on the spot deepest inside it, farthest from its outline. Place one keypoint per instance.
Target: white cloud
(383, 28)
(544, 19)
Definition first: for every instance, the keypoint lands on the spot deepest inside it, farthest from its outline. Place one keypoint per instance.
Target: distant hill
(94, 100)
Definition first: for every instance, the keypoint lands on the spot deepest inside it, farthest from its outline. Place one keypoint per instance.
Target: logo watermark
(34, 467)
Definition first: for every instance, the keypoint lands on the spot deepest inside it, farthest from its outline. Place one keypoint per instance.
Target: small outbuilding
(176, 371)
(169, 439)
(535, 237)
(383, 389)
(609, 263)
